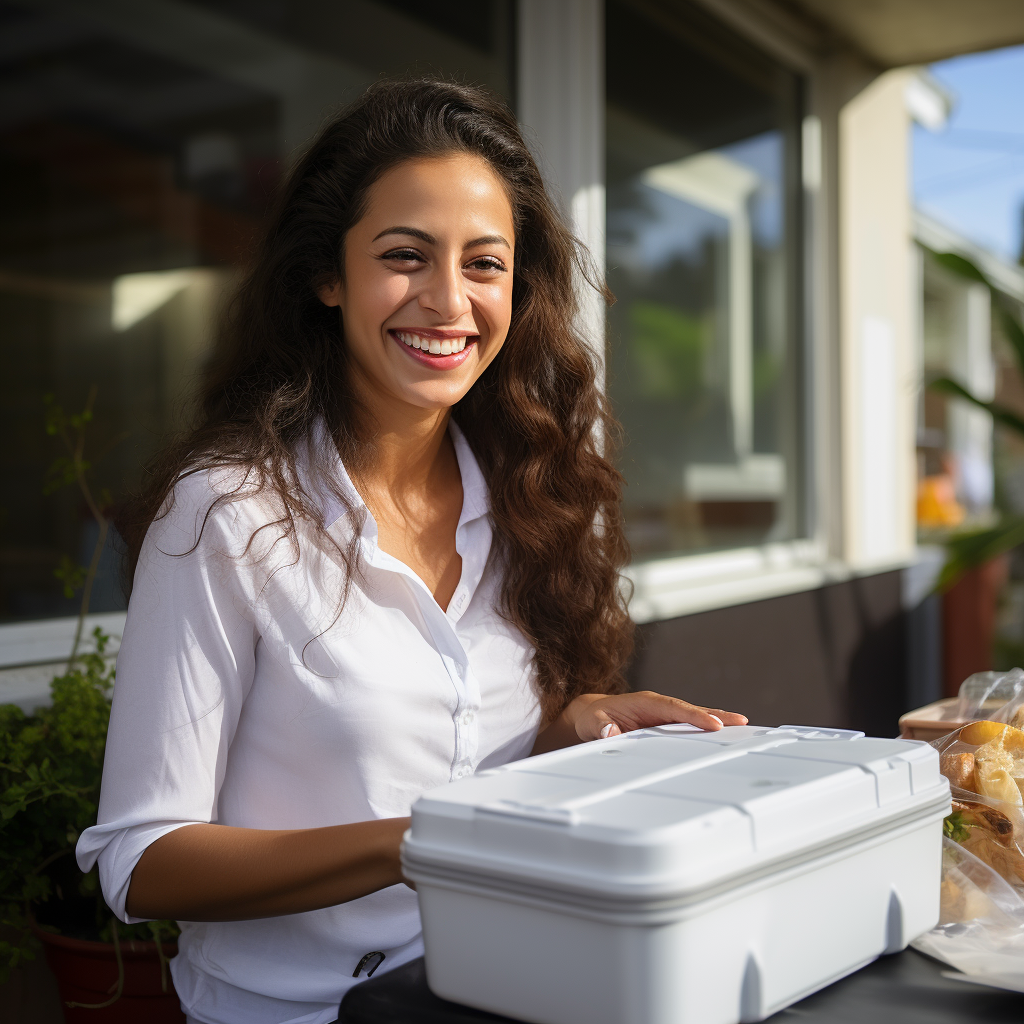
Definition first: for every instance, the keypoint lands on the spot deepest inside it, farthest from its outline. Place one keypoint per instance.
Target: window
(139, 149)
(703, 231)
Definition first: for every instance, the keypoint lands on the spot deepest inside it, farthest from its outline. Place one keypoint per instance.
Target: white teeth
(434, 346)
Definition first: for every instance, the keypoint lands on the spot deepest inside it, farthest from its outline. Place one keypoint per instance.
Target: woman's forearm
(218, 873)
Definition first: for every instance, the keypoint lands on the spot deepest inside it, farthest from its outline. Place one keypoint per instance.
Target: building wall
(841, 655)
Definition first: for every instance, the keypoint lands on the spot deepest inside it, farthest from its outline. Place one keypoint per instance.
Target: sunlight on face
(426, 299)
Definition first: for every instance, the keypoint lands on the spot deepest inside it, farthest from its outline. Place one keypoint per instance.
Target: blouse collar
(476, 497)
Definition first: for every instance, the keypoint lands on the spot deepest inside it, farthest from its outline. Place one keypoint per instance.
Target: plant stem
(77, 452)
(90, 578)
(120, 975)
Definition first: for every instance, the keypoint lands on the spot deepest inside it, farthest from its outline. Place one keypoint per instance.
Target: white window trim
(32, 653)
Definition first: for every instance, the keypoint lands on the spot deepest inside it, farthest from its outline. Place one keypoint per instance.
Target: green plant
(970, 548)
(51, 762)
(71, 470)
(50, 767)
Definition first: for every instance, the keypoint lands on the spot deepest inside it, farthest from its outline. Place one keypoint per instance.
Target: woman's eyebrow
(488, 240)
(415, 232)
(424, 236)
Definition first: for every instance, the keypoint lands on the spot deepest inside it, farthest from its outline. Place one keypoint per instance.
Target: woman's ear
(330, 293)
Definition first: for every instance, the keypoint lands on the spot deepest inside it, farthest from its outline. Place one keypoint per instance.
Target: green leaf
(999, 413)
(955, 828)
(961, 266)
(966, 551)
(1014, 332)
(71, 575)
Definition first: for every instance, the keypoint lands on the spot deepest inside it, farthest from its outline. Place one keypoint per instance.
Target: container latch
(809, 732)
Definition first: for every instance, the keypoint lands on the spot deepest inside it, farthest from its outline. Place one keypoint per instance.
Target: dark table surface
(907, 988)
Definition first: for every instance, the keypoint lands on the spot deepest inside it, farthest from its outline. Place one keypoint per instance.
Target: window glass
(702, 255)
(140, 146)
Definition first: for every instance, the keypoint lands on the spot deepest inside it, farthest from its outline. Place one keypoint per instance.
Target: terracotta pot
(969, 611)
(86, 972)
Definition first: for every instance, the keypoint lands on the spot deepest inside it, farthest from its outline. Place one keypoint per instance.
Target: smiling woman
(373, 568)
(441, 287)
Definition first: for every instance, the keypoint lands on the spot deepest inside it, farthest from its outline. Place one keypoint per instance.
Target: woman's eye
(403, 256)
(487, 263)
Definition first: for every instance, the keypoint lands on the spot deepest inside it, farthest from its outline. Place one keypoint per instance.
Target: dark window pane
(139, 151)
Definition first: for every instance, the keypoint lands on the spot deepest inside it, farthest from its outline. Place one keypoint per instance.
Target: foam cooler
(676, 877)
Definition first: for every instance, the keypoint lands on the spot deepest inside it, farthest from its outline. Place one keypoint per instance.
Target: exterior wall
(839, 655)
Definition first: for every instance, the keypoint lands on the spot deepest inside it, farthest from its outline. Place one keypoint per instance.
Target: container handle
(534, 812)
(810, 732)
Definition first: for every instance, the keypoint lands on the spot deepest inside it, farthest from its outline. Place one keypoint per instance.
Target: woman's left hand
(597, 716)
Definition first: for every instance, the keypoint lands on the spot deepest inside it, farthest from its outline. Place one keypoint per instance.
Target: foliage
(50, 767)
(955, 828)
(72, 470)
(668, 350)
(970, 548)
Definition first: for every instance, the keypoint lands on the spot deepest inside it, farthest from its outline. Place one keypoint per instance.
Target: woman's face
(426, 298)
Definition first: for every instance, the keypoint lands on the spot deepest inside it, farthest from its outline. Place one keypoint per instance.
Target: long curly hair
(536, 420)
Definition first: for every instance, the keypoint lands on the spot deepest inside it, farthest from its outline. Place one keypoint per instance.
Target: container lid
(671, 809)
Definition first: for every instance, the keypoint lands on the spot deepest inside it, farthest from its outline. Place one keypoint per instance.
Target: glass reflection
(700, 256)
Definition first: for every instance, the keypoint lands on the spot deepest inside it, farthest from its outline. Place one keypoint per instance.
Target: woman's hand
(597, 716)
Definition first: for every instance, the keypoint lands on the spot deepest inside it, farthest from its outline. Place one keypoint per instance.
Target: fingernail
(609, 730)
(718, 720)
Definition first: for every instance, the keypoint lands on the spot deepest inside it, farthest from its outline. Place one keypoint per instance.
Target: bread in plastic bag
(981, 925)
(984, 763)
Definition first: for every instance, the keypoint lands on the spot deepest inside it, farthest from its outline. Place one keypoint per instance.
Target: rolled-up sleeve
(186, 663)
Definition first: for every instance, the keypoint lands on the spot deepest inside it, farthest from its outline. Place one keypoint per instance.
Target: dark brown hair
(536, 419)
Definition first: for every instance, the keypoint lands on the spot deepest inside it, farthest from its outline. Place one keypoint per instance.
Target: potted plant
(51, 762)
(975, 568)
(50, 767)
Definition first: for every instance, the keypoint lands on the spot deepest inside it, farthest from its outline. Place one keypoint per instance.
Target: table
(906, 988)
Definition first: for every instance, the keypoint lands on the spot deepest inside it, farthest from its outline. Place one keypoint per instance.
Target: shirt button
(465, 718)
(461, 773)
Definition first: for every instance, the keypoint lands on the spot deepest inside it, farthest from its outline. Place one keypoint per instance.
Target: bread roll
(959, 769)
(998, 784)
(978, 733)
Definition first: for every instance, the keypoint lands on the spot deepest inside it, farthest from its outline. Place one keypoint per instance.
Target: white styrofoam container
(670, 876)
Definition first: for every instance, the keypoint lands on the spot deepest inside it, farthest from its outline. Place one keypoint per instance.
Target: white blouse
(244, 698)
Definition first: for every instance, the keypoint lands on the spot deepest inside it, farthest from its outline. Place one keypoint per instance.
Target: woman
(387, 557)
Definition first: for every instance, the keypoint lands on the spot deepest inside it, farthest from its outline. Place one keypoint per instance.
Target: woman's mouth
(442, 352)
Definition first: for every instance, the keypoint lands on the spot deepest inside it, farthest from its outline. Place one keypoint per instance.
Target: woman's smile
(438, 349)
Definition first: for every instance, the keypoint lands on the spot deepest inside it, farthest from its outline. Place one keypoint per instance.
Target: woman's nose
(445, 294)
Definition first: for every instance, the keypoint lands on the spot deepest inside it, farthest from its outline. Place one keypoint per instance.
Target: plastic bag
(981, 924)
(984, 763)
(981, 927)
(990, 695)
